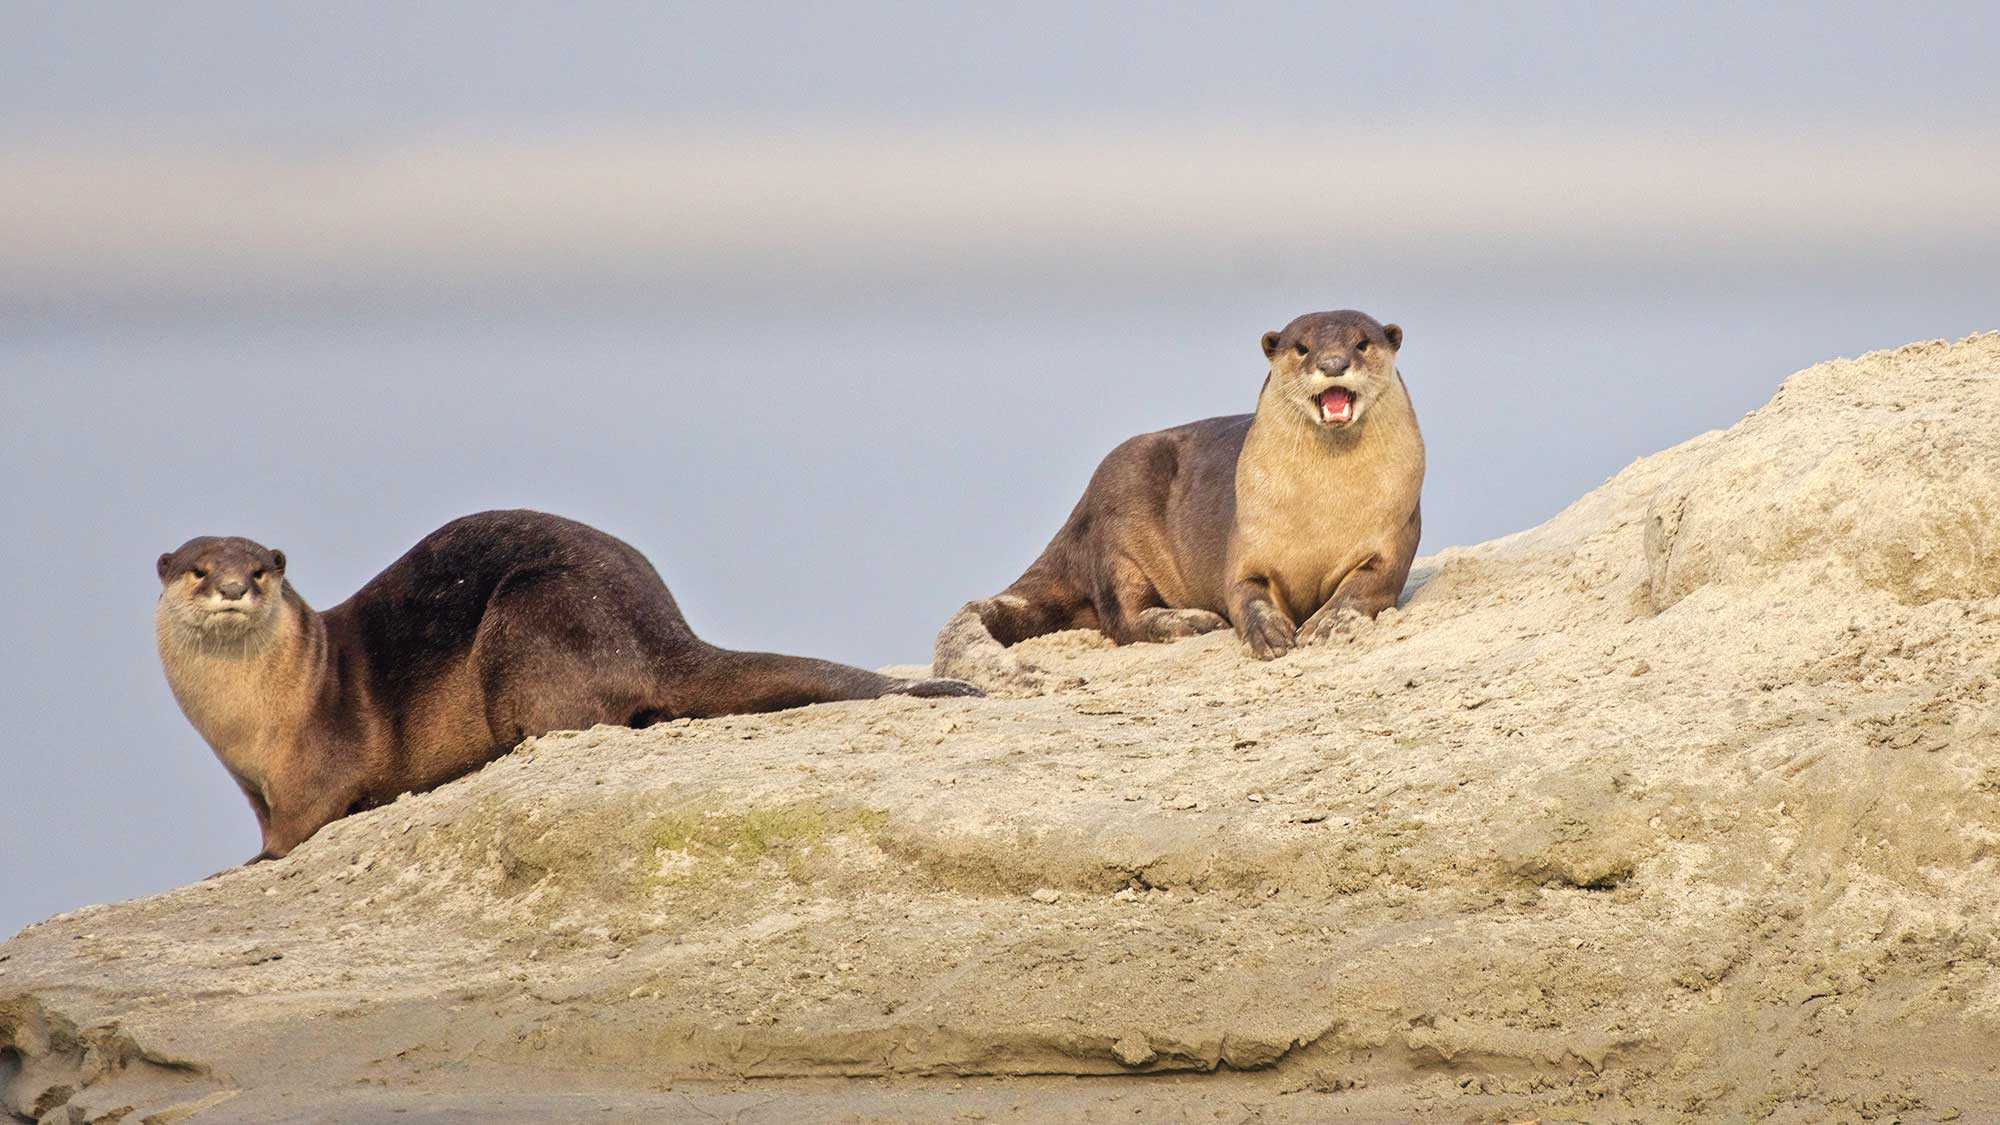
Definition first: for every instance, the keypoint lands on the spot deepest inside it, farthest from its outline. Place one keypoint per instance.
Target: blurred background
(831, 309)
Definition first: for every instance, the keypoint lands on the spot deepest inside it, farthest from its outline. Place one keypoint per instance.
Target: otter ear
(278, 561)
(1395, 334)
(166, 562)
(1270, 344)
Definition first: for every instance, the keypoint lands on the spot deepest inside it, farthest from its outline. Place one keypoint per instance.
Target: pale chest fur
(1310, 510)
(245, 706)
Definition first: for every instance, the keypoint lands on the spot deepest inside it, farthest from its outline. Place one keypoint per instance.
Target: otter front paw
(1269, 635)
(936, 689)
(1332, 623)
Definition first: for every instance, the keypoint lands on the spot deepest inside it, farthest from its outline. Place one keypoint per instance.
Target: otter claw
(1269, 637)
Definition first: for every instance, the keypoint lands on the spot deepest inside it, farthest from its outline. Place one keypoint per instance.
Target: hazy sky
(279, 69)
(832, 313)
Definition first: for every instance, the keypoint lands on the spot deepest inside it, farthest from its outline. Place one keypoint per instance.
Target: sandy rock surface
(1682, 806)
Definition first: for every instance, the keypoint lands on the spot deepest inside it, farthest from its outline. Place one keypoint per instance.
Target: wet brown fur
(1270, 522)
(493, 628)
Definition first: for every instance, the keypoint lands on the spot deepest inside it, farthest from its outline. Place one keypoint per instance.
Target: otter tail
(743, 683)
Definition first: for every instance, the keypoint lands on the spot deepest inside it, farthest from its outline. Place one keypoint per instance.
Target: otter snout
(232, 589)
(1334, 366)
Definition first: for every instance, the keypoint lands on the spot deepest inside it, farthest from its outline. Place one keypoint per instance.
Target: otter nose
(1333, 364)
(232, 588)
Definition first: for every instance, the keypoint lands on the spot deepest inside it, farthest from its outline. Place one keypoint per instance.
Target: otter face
(221, 589)
(1333, 365)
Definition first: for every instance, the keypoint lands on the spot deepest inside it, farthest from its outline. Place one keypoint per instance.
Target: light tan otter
(493, 628)
(1289, 523)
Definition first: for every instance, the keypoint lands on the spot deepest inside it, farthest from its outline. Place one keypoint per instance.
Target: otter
(493, 628)
(1290, 524)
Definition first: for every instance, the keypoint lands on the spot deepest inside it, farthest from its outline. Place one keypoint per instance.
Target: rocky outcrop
(1682, 805)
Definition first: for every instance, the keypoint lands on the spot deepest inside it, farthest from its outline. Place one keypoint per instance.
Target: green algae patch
(752, 835)
(638, 850)
(694, 846)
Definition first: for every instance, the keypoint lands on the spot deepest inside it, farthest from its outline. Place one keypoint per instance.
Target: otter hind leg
(1136, 612)
(544, 660)
(974, 644)
(1163, 624)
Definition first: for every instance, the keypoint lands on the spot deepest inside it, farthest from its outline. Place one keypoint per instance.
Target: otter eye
(198, 572)
(1361, 347)
(1301, 348)
(257, 575)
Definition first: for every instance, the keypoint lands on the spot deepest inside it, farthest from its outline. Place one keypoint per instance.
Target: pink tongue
(1337, 404)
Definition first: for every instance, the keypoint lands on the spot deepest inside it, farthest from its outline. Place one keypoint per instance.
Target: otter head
(1333, 366)
(223, 590)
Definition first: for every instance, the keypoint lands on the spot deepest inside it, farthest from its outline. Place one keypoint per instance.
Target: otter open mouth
(1336, 406)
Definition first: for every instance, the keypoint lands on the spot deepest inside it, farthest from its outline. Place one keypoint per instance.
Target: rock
(1824, 476)
(1133, 1050)
(1499, 851)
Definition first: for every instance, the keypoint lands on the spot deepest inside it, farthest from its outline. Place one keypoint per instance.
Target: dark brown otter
(1288, 523)
(494, 628)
